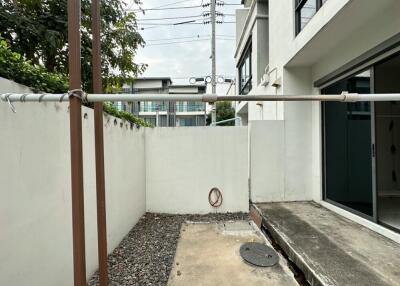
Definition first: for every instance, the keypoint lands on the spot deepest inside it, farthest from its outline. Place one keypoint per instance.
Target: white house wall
(267, 164)
(254, 27)
(382, 24)
(241, 15)
(298, 61)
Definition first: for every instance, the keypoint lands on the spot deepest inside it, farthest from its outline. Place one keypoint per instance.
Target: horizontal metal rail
(225, 121)
(344, 97)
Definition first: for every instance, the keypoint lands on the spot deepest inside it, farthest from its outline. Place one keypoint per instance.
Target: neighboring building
(165, 113)
(189, 113)
(344, 155)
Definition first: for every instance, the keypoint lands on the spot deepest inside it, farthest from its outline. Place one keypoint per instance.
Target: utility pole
(213, 61)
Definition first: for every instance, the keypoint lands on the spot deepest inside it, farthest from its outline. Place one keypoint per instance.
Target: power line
(184, 17)
(189, 37)
(170, 18)
(162, 9)
(170, 24)
(176, 23)
(177, 38)
(189, 41)
(169, 4)
(193, 22)
(178, 42)
(148, 28)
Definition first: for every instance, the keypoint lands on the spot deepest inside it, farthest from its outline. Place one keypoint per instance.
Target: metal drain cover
(259, 254)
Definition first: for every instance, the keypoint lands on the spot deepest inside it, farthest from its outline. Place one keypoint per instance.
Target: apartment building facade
(166, 113)
(344, 155)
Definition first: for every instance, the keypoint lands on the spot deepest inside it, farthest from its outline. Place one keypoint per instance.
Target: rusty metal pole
(99, 146)
(78, 213)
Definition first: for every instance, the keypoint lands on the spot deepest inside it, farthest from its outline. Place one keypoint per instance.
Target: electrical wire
(190, 37)
(170, 18)
(181, 23)
(189, 41)
(177, 42)
(184, 17)
(169, 4)
(158, 7)
(177, 38)
(176, 23)
(162, 9)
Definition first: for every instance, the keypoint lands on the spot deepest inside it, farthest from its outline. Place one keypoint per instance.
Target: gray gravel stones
(146, 255)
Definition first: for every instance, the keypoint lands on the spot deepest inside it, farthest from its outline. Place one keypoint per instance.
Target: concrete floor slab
(389, 211)
(330, 249)
(208, 254)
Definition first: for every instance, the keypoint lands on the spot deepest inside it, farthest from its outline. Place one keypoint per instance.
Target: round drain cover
(258, 254)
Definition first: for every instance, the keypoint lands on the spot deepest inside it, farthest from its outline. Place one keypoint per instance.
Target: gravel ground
(146, 255)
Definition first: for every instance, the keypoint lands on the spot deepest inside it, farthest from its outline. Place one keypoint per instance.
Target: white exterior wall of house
(252, 25)
(339, 32)
(314, 53)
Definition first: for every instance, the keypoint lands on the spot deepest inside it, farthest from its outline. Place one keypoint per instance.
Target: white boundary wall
(183, 164)
(174, 167)
(35, 190)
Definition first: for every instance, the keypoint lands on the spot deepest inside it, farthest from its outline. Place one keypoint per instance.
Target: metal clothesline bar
(344, 97)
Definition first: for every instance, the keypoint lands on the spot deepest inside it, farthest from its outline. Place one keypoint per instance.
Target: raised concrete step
(328, 248)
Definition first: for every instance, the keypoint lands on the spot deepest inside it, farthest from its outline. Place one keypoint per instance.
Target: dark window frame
(246, 54)
(299, 4)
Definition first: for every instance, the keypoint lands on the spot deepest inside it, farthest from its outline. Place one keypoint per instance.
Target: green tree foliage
(14, 67)
(224, 111)
(110, 109)
(37, 29)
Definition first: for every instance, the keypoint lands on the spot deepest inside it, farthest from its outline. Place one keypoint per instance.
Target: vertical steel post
(99, 146)
(78, 213)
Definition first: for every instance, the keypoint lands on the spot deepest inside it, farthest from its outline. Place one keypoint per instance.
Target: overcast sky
(192, 58)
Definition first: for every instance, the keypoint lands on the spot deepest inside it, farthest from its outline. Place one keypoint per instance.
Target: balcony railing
(180, 107)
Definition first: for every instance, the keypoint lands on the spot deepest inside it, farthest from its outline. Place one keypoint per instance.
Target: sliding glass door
(348, 168)
(387, 123)
(362, 146)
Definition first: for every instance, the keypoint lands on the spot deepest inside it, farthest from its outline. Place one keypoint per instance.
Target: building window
(190, 121)
(180, 107)
(190, 106)
(148, 106)
(305, 10)
(195, 106)
(245, 75)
